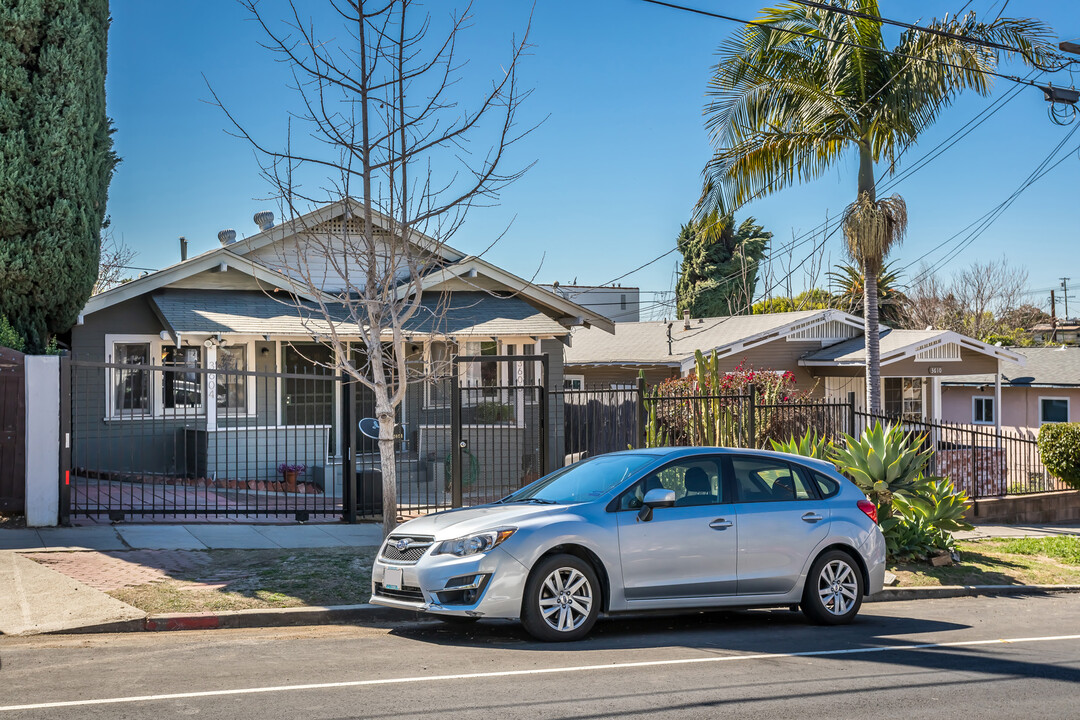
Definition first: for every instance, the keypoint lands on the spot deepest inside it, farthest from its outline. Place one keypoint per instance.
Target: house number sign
(934, 369)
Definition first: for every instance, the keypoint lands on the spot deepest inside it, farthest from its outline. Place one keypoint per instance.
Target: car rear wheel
(834, 589)
(562, 599)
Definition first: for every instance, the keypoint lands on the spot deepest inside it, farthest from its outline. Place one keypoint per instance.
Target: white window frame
(975, 401)
(157, 396)
(432, 378)
(253, 384)
(572, 378)
(1068, 409)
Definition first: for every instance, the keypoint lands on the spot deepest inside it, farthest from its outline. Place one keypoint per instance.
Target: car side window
(766, 480)
(826, 485)
(695, 481)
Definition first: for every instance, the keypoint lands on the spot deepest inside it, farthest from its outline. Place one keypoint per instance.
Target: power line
(833, 41)
(933, 31)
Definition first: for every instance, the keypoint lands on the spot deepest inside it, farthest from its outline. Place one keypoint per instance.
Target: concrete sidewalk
(191, 537)
(35, 597)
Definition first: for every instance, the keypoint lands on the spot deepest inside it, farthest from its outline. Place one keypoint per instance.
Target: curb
(955, 591)
(256, 618)
(287, 617)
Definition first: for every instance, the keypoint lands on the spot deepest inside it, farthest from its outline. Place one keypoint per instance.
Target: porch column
(997, 399)
(935, 397)
(211, 388)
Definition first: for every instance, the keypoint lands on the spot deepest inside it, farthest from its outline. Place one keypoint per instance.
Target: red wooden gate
(12, 431)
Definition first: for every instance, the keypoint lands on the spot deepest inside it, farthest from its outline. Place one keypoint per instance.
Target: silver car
(644, 530)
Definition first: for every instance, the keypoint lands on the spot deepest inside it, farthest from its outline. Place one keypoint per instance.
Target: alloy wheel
(838, 587)
(566, 599)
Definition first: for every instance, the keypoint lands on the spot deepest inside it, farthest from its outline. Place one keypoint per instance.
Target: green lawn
(1017, 561)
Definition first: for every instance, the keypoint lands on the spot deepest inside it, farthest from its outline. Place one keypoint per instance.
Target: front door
(686, 551)
(781, 521)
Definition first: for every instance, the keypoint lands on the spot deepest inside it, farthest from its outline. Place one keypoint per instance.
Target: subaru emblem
(402, 545)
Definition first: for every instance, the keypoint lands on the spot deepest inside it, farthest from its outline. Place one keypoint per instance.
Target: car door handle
(720, 524)
(811, 517)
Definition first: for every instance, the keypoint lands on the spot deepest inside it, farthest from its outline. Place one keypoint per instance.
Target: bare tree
(384, 138)
(979, 301)
(113, 267)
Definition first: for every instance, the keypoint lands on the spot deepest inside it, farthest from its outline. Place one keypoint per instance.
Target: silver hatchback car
(644, 530)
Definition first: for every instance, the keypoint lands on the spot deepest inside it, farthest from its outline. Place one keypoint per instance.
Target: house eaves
(217, 259)
(900, 345)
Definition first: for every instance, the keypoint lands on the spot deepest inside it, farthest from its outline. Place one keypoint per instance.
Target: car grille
(417, 547)
(407, 592)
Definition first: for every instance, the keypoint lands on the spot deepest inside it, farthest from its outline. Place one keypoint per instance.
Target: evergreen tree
(718, 275)
(56, 161)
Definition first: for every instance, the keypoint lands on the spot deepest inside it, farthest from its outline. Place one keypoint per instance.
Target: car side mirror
(657, 497)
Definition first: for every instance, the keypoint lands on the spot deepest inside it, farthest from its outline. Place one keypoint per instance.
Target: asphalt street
(961, 658)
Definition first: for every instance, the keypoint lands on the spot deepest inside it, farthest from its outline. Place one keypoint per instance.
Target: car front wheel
(562, 599)
(834, 589)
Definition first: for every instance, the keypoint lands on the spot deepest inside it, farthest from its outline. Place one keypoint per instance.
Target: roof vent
(686, 319)
(226, 237)
(264, 219)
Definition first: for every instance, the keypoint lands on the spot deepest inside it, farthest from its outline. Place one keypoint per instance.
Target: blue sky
(617, 159)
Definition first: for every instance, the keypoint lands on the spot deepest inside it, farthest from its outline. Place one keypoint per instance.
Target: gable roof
(208, 261)
(1045, 367)
(646, 343)
(347, 207)
(901, 344)
(245, 312)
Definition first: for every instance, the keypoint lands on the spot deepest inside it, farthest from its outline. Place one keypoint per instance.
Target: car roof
(677, 452)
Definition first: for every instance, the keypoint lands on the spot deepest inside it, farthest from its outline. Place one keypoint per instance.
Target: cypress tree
(718, 275)
(56, 161)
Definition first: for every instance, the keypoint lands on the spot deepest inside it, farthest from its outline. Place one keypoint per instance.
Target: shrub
(491, 412)
(1059, 449)
(925, 519)
(9, 338)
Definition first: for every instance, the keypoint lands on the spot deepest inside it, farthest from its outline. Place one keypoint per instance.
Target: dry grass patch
(1000, 561)
(243, 579)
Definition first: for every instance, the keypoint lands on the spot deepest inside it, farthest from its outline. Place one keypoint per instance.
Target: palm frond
(872, 228)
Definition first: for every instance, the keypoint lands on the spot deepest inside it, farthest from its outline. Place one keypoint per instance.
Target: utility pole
(1065, 294)
(1053, 316)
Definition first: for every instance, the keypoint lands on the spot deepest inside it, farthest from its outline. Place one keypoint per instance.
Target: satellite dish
(369, 427)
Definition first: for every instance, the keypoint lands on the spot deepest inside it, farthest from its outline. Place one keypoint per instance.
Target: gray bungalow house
(824, 349)
(146, 402)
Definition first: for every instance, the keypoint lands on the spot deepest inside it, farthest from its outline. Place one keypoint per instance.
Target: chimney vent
(226, 237)
(183, 248)
(686, 319)
(264, 219)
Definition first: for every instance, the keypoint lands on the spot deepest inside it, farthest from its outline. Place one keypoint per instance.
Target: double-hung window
(181, 388)
(131, 391)
(232, 382)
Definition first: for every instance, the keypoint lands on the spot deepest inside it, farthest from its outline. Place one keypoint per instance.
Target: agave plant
(938, 503)
(884, 462)
(811, 445)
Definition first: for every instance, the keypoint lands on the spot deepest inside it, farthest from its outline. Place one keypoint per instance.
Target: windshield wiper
(538, 501)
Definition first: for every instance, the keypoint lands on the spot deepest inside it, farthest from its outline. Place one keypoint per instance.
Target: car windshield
(581, 482)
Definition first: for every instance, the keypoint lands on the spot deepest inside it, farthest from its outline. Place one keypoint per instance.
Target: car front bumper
(499, 595)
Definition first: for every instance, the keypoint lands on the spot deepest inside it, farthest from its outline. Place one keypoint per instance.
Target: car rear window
(827, 486)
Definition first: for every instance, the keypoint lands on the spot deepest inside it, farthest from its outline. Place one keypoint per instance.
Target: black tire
(564, 608)
(838, 575)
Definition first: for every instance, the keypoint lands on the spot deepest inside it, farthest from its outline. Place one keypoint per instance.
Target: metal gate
(12, 431)
(499, 425)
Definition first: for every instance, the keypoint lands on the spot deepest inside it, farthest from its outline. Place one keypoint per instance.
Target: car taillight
(869, 508)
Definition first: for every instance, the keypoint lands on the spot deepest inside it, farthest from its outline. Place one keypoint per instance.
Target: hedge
(1059, 448)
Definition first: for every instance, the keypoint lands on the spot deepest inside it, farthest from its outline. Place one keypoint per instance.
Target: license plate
(392, 578)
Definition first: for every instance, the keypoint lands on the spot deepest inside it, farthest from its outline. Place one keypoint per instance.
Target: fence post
(349, 486)
(455, 437)
(974, 479)
(43, 440)
(640, 413)
(65, 440)
(752, 420)
(545, 427)
(851, 413)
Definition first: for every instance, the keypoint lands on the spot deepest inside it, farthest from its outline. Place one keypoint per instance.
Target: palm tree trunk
(873, 341)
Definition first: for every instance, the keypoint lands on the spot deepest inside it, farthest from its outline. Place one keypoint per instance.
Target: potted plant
(288, 475)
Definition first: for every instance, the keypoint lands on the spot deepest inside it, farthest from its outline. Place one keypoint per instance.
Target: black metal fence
(980, 460)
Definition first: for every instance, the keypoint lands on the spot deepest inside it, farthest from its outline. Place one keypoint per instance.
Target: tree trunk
(384, 412)
(873, 341)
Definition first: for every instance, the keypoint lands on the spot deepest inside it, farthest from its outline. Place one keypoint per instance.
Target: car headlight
(474, 544)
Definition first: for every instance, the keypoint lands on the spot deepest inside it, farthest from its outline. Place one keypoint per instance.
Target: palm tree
(786, 107)
(891, 300)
